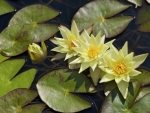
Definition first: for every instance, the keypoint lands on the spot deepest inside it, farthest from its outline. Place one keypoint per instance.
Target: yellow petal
(139, 59)
(125, 49)
(44, 48)
(126, 78)
(134, 73)
(63, 33)
(76, 61)
(74, 29)
(95, 75)
(58, 56)
(118, 79)
(54, 41)
(83, 66)
(123, 88)
(129, 57)
(93, 64)
(107, 78)
(68, 55)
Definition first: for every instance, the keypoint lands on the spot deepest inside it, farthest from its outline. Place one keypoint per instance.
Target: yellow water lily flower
(121, 67)
(90, 53)
(36, 53)
(67, 43)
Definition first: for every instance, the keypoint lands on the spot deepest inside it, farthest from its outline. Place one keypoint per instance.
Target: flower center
(120, 68)
(93, 52)
(70, 42)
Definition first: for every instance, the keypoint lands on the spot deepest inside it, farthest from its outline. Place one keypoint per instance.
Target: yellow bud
(36, 53)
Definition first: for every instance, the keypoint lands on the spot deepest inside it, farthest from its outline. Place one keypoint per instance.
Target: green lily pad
(16, 102)
(34, 16)
(144, 77)
(136, 2)
(143, 92)
(100, 16)
(8, 78)
(17, 40)
(109, 87)
(3, 58)
(5, 7)
(143, 19)
(56, 89)
(142, 106)
(115, 103)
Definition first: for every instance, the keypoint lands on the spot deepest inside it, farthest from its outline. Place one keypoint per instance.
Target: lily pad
(5, 7)
(17, 38)
(56, 89)
(101, 17)
(143, 19)
(136, 2)
(3, 58)
(34, 16)
(144, 77)
(8, 78)
(114, 102)
(16, 102)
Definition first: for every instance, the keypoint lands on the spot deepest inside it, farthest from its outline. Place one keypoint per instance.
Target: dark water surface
(139, 42)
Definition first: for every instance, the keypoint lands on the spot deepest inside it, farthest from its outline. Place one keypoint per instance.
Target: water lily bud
(37, 54)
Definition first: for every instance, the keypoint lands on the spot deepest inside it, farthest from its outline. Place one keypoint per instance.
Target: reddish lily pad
(101, 17)
(8, 79)
(56, 89)
(16, 102)
(5, 7)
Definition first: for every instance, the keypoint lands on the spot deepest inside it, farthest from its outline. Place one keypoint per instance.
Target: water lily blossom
(91, 51)
(121, 67)
(36, 53)
(67, 43)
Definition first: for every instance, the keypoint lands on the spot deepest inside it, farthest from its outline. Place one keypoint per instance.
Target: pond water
(139, 42)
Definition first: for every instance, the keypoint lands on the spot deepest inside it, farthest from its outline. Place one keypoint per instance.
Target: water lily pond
(85, 56)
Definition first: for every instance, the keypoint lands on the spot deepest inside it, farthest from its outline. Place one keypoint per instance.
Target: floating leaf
(144, 77)
(33, 16)
(100, 17)
(17, 40)
(5, 7)
(115, 103)
(56, 89)
(142, 106)
(136, 2)
(3, 58)
(26, 27)
(143, 19)
(8, 78)
(143, 92)
(109, 87)
(16, 101)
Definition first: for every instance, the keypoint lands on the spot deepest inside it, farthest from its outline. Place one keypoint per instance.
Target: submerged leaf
(8, 78)
(100, 17)
(16, 101)
(56, 87)
(5, 7)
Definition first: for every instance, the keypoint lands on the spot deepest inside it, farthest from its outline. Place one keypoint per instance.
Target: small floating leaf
(136, 2)
(100, 16)
(56, 89)
(16, 102)
(5, 7)
(8, 78)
